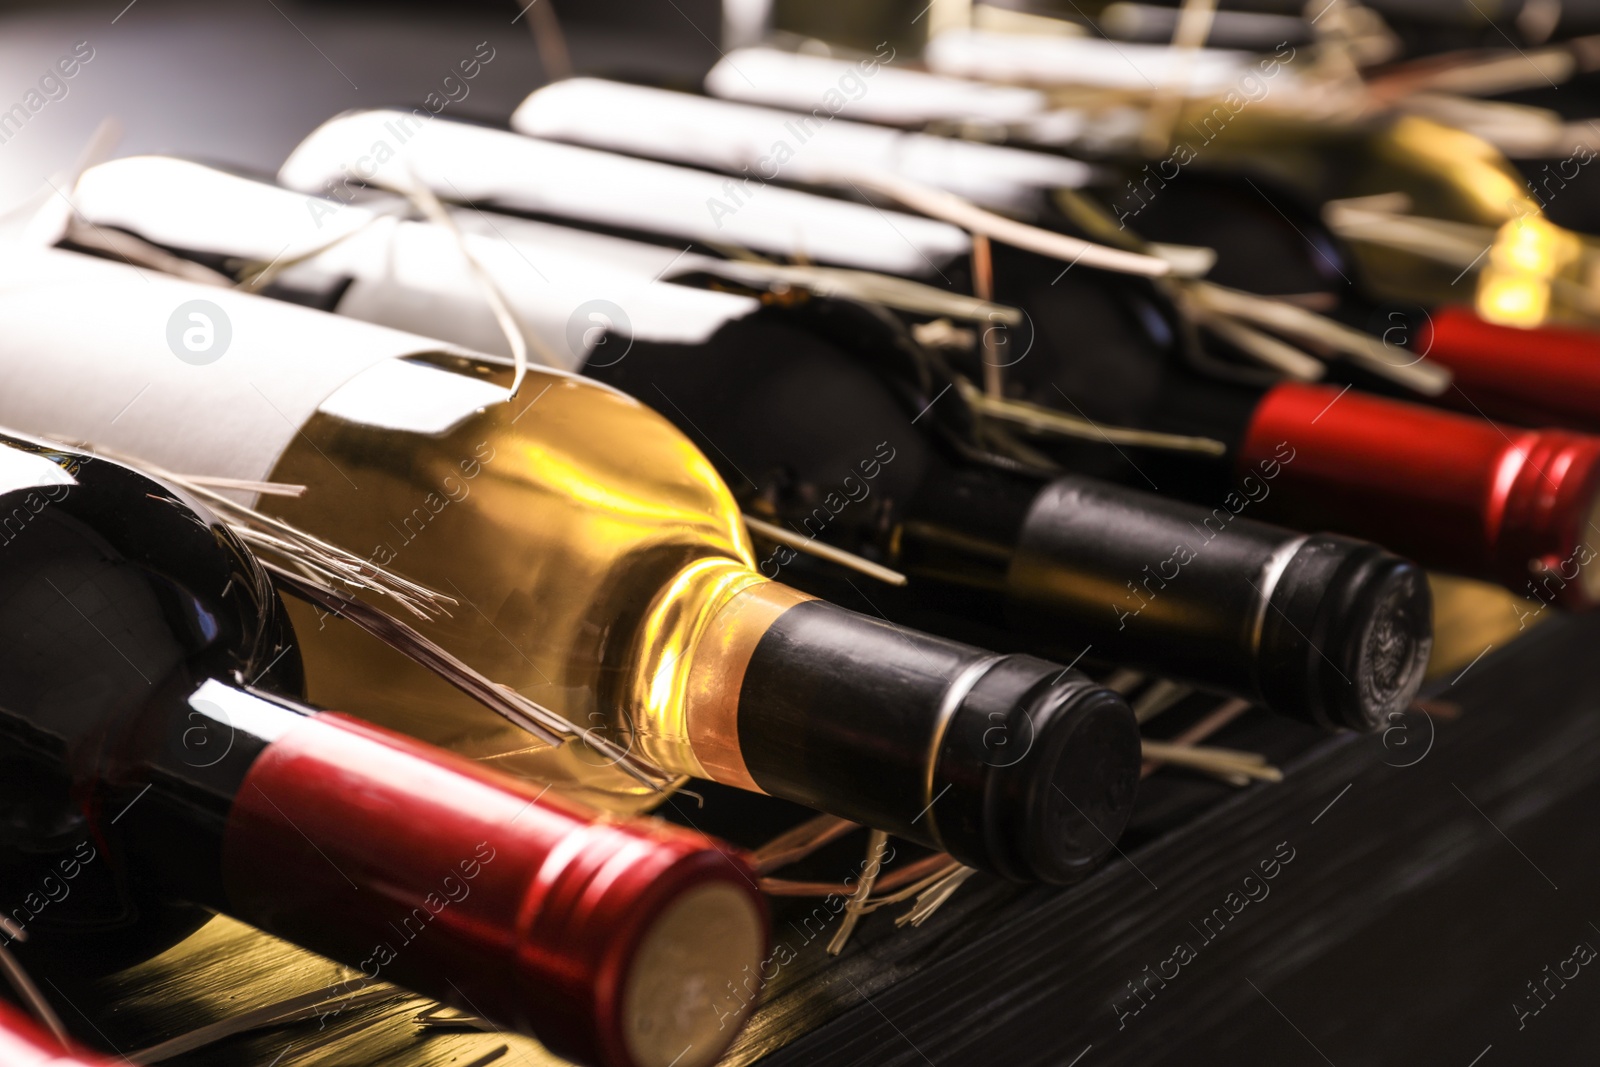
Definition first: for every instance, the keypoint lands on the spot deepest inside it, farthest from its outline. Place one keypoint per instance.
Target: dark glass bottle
(154, 760)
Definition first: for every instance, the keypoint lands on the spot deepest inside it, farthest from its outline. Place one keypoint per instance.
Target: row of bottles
(653, 529)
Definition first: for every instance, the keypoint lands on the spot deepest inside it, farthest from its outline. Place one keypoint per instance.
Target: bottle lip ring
(955, 696)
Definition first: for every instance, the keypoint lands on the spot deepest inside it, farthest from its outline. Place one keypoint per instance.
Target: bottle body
(146, 771)
(598, 562)
(585, 572)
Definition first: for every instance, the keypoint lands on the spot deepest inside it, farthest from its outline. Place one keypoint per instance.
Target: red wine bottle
(154, 752)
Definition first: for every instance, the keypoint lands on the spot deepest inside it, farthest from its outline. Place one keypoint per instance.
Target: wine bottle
(1529, 375)
(155, 750)
(1326, 629)
(1450, 492)
(996, 557)
(600, 565)
(23, 1043)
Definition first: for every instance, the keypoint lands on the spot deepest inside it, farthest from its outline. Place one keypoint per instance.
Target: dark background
(242, 81)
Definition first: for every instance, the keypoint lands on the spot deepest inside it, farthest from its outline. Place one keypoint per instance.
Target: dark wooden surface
(1419, 902)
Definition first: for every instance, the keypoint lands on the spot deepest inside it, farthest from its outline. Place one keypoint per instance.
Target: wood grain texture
(1416, 908)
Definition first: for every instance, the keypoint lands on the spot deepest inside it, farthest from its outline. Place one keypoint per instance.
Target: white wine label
(786, 146)
(868, 90)
(196, 379)
(1086, 61)
(411, 275)
(493, 168)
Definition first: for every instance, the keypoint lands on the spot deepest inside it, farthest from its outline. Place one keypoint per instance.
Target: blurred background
(242, 81)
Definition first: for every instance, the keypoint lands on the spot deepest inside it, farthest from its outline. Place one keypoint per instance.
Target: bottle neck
(897, 729)
(686, 650)
(168, 799)
(961, 529)
(408, 863)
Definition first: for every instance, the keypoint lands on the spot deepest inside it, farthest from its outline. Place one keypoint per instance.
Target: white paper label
(871, 91)
(1087, 61)
(809, 146)
(490, 167)
(196, 379)
(410, 275)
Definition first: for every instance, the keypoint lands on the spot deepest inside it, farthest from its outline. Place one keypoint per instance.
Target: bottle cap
(1544, 376)
(1011, 764)
(1344, 634)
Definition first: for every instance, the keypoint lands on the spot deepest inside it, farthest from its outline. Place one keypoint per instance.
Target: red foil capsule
(614, 942)
(1545, 376)
(23, 1043)
(1453, 492)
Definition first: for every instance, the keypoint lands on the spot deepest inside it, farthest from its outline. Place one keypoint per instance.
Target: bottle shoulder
(582, 447)
(113, 583)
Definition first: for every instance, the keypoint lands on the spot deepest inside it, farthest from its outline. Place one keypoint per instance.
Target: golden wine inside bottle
(584, 576)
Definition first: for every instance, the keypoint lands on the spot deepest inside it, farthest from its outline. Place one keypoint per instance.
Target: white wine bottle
(600, 564)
